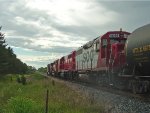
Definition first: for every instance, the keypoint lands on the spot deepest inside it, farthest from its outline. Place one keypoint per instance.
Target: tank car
(138, 59)
(138, 51)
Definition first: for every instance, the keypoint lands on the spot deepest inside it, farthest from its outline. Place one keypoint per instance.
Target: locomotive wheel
(134, 89)
(76, 76)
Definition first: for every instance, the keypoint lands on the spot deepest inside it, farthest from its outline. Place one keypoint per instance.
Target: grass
(62, 99)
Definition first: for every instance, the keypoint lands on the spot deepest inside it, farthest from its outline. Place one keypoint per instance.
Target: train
(119, 59)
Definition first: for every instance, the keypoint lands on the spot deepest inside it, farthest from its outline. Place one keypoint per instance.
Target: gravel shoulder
(113, 103)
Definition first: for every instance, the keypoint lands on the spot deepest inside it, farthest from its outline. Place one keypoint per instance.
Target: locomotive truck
(117, 58)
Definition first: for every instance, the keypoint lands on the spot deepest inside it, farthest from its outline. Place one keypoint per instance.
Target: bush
(18, 79)
(23, 80)
(21, 105)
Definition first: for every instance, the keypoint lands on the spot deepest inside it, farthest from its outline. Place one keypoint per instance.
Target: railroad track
(120, 101)
(110, 89)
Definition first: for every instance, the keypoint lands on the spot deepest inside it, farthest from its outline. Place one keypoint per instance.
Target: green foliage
(62, 99)
(42, 69)
(18, 79)
(9, 63)
(23, 79)
(31, 69)
(37, 76)
(21, 105)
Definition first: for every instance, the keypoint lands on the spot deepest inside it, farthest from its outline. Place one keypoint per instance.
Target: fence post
(46, 105)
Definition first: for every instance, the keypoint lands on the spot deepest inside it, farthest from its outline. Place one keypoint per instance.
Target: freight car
(111, 60)
(138, 59)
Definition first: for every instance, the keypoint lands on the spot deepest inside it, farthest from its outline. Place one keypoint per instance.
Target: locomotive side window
(104, 43)
(112, 41)
(115, 40)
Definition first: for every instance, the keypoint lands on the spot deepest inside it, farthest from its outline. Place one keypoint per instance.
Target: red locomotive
(108, 59)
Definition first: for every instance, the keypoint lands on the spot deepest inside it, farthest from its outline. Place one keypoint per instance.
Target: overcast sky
(40, 31)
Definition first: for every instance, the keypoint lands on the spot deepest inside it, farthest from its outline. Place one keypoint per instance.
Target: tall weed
(21, 105)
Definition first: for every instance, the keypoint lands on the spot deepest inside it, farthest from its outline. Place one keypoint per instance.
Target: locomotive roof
(90, 43)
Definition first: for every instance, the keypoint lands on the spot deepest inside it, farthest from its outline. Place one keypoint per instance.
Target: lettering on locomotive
(88, 55)
(118, 35)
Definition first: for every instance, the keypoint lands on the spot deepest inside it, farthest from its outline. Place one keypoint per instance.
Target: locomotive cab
(112, 50)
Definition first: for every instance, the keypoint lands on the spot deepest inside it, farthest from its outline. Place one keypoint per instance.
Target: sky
(41, 31)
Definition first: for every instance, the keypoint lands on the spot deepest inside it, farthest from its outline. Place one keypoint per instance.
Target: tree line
(42, 69)
(9, 63)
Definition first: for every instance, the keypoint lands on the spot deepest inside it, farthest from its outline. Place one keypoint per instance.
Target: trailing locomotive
(116, 58)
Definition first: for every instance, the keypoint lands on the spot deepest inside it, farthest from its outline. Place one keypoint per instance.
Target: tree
(2, 40)
(3, 54)
(31, 69)
(42, 69)
(9, 63)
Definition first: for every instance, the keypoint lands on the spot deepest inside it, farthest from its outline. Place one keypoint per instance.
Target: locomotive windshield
(116, 40)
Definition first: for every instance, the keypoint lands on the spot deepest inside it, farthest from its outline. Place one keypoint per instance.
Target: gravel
(112, 102)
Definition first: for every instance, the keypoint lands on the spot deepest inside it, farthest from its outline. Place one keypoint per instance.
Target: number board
(114, 36)
(117, 35)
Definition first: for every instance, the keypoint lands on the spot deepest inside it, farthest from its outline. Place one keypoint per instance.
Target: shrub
(21, 105)
(18, 79)
(23, 80)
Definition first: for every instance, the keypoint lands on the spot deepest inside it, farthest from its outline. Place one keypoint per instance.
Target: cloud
(72, 12)
(36, 58)
(60, 26)
(50, 18)
(132, 14)
(45, 44)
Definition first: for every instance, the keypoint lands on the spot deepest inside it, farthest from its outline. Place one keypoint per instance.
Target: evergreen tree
(2, 40)
(9, 63)
(3, 54)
